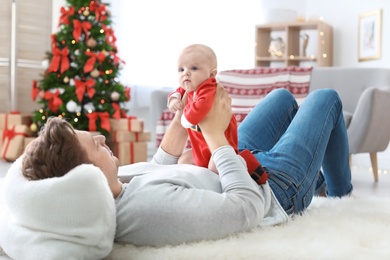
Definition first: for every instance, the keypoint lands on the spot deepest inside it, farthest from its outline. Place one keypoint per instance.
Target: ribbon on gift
(14, 112)
(104, 120)
(65, 13)
(129, 118)
(89, 65)
(34, 90)
(78, 27)
(99, 10)
(84, 86)
(9, 134)
(54, 102)
(59, 56)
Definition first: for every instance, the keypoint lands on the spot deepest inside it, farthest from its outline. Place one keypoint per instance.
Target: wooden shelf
(293, 50)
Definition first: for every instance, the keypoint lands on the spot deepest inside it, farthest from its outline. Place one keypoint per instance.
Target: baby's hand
(175, 104)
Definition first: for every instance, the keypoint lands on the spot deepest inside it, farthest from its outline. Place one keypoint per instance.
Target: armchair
(365, 93)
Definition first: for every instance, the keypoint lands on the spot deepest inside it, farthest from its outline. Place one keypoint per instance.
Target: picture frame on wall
(370, 35)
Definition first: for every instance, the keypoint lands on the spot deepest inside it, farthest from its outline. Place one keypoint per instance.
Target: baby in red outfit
(197, 68)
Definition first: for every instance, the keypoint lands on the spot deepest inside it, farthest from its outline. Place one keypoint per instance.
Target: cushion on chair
(347, 117)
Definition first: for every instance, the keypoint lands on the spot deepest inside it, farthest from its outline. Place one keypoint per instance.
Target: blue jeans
(294, 144)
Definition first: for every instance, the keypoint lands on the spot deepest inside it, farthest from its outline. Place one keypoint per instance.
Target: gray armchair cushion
(369, 129)
(347, 117)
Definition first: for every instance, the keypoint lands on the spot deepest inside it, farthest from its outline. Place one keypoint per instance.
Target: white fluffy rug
(348, 228)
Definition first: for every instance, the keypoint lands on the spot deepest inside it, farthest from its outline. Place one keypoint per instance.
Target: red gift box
(130, 124)
(13, 141)
(14, 118)
(130, 152)
(125, 136)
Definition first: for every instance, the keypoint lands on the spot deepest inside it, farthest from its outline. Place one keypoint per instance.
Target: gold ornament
(66, 79)
(86, 13)
(91, 42)
(33, 127)
(95, 73)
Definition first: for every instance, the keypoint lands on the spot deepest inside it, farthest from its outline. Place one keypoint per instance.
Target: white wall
(343, 16)
(150, 33)
(156, 31)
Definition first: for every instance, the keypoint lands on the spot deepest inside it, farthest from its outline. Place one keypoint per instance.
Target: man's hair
(54, 153)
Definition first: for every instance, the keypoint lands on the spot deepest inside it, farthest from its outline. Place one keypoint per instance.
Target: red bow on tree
(82, 87)
(127, 93)
(54, 101)
(80, 26)
(117, 109)
(34, 90)
(99, 10)
(64, 18)
(53, 41)
(116, 59)
(91, 61)
(110, 37)
(104, 120)
(59, 56)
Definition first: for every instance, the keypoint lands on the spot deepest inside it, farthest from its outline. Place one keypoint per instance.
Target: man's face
(99, 154)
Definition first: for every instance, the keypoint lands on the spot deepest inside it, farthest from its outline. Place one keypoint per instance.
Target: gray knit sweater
(165, 203)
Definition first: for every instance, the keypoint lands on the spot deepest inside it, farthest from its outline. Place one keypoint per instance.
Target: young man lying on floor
(61, 192)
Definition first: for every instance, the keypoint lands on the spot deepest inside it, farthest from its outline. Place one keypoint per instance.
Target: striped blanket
(248, 87)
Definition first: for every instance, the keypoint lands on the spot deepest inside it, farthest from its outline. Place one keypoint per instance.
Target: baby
(197, 68)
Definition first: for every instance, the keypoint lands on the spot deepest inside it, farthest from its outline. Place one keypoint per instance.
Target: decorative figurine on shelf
(305, 38)
(276, 47)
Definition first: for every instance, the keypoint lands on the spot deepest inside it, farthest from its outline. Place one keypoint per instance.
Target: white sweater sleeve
(188, 203)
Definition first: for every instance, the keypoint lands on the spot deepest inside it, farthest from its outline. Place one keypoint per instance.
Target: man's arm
(176, 136)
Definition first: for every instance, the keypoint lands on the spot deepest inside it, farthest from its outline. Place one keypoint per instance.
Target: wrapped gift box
(28, 140)
(130, 152)
(13, 119)
(130, 124)
(125, 136)
(13, 141)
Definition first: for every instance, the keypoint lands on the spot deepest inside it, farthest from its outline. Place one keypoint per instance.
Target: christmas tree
(80, 82)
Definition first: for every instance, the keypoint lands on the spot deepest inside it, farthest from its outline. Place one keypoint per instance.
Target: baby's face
(194, 67)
